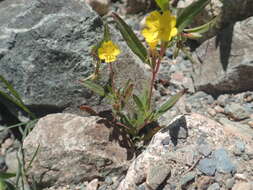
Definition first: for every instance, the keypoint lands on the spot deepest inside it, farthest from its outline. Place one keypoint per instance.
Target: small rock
(223, 163)
(205, 149)
(239, 148)
(108, 180)
(219, 109)
(222, 100)
(11, 161)
(211, 111)
(7, 143)
(214, 186)
(207, 166)
(229, 183)
(236, 111)
(241, 177)
(187, 178)
(100, 6)
(157, 174)
(242, 186)
(250, 123)
(93, 185)
(203, 182)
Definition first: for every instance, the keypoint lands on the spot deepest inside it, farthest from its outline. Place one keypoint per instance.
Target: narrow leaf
(170, 103)
(131, 39)
(94, 87)
(107, 35)
(10, 88)
(203, 28)
(33, 157)
(163, 4)
(16, 100)
(139, 104)
(187, 15)
(4, 175)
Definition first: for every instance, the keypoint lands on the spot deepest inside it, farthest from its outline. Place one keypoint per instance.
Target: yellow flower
(108, 51)
(159, 27)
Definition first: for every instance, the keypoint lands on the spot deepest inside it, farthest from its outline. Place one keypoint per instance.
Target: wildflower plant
(163, 29)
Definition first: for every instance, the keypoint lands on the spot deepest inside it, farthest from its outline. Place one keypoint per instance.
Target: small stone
(142, 187)
(205, 149)
(166, 141)
(211, 111)
(239, 148)
(242, 186)
(11, 161)
(207, 166)
(100, 6)
(223, 163)
(214, 186)
(250, 123)
(219, 109)
(93, 185)
(7, 143)
(222, 100)
(187, 178)
(157, 174)
(108, 180)
(241, 176)
(229, 183)
(204, 182)
(236, 111)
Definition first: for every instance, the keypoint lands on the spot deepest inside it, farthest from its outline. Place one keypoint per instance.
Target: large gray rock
(74, 149)
(225, 62)
(45, 49)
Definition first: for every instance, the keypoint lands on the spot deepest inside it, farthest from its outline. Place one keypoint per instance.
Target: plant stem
(112, 77)
(155, 70)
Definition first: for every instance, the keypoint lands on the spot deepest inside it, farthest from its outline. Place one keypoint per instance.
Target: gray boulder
(225, 62)
(75, 149)
(45, 49)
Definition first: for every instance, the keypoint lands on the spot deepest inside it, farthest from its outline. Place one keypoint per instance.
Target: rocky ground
(207, 140)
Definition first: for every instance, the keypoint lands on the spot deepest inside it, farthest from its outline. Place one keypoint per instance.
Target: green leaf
(33, 157)
(4, 175)
(139, 103)
(16, 100)
(94, 87)
(203, 28)
(163, 4)
(107, 35)
(3, 185)
(131, 39)
(187, 15)
(169, 104)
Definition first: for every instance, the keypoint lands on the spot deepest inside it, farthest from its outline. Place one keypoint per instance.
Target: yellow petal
(173, 21)
(152, 21)
(173, 32)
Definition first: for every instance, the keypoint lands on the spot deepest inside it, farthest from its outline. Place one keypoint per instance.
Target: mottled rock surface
(186, 165)
(74, 149)
(225, 62)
